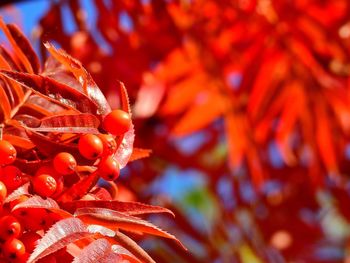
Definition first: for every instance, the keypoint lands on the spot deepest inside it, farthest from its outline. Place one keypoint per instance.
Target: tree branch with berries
(59, 137)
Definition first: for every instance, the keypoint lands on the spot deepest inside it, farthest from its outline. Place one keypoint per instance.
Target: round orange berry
(44, 185)
(12, 177)
(13, 249)
(90, 146)
(10, 227)
(109, 169)
(117, 122)
(64, 163)
(109, 144)
(7, 153)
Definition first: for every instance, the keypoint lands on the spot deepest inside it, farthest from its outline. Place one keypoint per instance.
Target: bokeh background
(246, 106)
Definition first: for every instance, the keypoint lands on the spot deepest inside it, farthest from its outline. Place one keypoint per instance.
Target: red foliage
(46, 114)
(265, 83)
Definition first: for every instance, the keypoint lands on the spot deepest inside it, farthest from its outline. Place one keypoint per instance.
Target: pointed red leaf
(79, 189)
(89, 86)
(115, 220)
(49, 147)
(133, 247)
(53, 91)
(124, 97)
(36, 202)
(100, 251)
(26, 47)
(22, 190)
(128, 208)
(139, 153)
(73, 123)
(124, 151)
(124, 253)
(16, 39)
(61, 234)
(19, 141)
(213, 104)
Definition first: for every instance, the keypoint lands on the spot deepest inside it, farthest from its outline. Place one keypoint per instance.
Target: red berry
(90, 146)
(38, 218)
(64, 163)
(12, 177)
(44, 185)
(3, 192)
(9, 227)
(117, 122)
(13, 249)
(7, 153)
(109, 144)
(30, 240)
(109, 169)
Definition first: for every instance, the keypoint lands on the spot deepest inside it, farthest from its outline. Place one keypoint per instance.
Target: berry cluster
(21, 229)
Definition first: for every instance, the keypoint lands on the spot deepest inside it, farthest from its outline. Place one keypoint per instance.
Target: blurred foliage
(245, 104)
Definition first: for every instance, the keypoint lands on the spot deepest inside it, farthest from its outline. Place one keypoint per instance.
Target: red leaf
(49, 147)
(139, 153)
(148, 97)
(213, 104)
(26, 47)
(98, 251)
(124, 151)
(124, 98)
(89, 86)
(126, 141)
(128, 208)
(182, 94)
(124, 253)
(79, 189)
(5, 104)
(22, 190)
(36, 202)
(116, 220)
(61, 234)
(53, 91)
(77, 123)
(19, 141)
(18, 42)
(324, 138)
(133, 247)
(236, 128)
